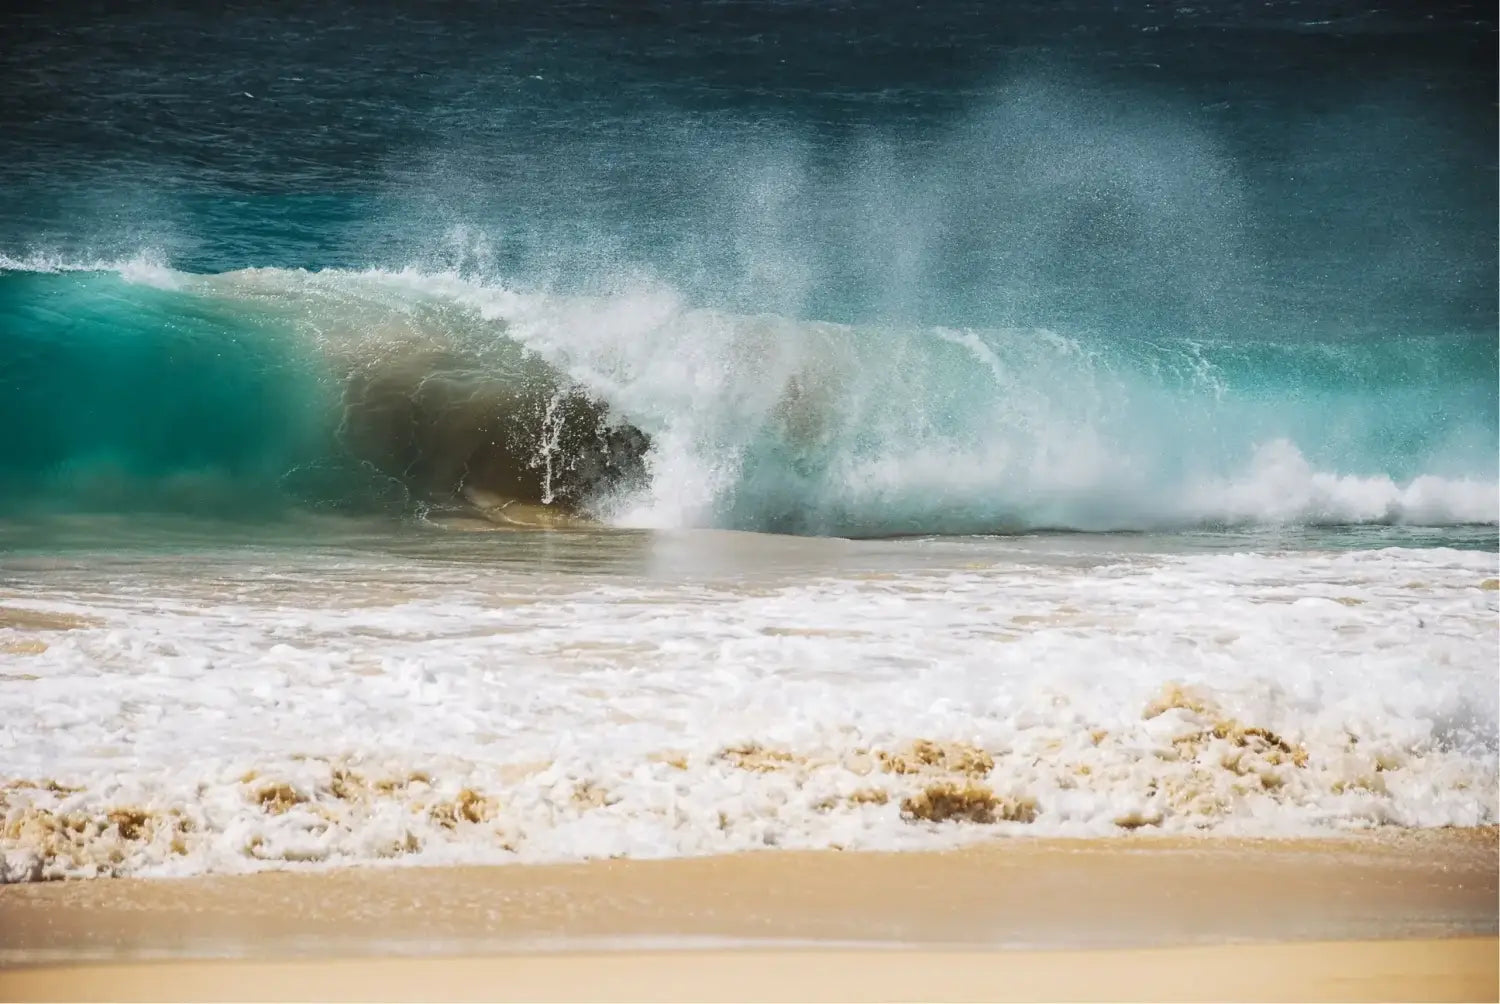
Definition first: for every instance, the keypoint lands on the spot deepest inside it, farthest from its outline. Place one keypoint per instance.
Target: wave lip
(410, 390)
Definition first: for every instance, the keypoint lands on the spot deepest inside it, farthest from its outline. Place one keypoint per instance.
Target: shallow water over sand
(182, 699)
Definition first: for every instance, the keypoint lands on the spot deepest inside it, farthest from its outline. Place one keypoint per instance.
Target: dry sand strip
(1387, 915)
(1440, 970)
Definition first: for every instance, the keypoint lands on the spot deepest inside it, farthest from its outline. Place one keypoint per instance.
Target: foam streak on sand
(1147, 918)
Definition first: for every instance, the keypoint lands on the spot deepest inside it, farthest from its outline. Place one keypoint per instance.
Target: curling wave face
(138, 386)
(256, 389)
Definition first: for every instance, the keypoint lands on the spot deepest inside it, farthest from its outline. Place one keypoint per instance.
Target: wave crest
(412, 389)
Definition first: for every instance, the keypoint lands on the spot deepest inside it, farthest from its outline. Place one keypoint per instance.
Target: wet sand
(1371, 970)
(1395, 915)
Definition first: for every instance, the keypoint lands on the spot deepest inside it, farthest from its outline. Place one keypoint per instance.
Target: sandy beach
(1394, 915)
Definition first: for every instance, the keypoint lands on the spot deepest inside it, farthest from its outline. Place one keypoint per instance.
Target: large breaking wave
(138, 386)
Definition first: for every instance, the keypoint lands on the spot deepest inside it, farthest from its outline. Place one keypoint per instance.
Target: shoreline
(1453, 969)
(1349, 916)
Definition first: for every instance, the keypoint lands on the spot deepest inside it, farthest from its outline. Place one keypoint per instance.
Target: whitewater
(330, 697)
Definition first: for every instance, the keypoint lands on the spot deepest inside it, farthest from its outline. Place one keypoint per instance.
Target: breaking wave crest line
(139, 385)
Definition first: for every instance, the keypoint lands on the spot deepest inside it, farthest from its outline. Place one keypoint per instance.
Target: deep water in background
(852, 268)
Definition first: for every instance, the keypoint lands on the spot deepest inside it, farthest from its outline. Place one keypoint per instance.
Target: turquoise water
(809, 268)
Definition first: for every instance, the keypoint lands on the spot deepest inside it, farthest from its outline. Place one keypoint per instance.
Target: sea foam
(548, 697)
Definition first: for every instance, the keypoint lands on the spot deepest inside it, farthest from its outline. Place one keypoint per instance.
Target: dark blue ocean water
(1245, 228)
(1203, 160)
